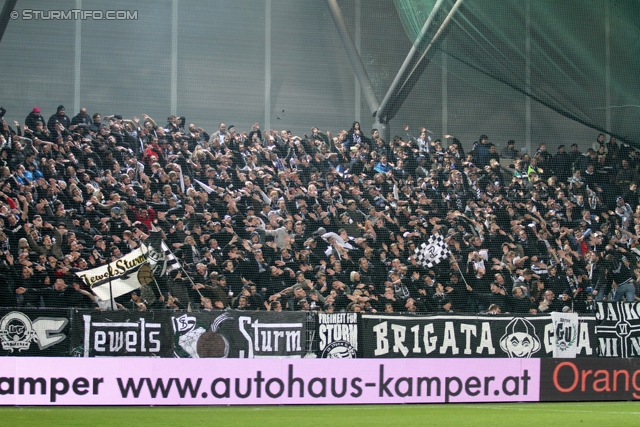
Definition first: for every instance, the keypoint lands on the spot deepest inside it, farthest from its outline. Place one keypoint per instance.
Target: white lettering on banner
(399, 333)
(485, 340)
(449, 340)
(400, 336)
(337, 332)
(109, 338)
(338, 335)
(584, 342)
(416, 346)
(548, 341)
(619, 329)
(468, 330)
(382, 343)
(430, 339)
(270, 337)
(107, 381)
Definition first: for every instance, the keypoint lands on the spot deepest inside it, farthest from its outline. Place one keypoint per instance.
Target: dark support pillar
(354, 56)
(5, 15)
(412, 68)
(417, 59)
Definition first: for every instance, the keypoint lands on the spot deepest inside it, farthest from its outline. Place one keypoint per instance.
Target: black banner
(618, 329)
(240, 334)
(589, 379)
(123, 333)
(400, 336)
(338, 335)
(38, 332)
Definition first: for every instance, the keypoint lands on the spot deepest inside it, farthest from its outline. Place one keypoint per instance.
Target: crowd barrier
(556, 357)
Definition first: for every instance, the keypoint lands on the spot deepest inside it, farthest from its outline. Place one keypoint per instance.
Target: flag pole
(184, 271)
(108, 253)
(179, 263)
(146, 257)
(157, 286)
(451, 258)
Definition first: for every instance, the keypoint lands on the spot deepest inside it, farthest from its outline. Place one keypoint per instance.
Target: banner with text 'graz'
(400, 336)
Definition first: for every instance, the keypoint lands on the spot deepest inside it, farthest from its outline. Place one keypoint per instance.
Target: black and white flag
(160, 258)
(432, 252)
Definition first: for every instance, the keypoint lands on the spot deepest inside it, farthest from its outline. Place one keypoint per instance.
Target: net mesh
(487, 46)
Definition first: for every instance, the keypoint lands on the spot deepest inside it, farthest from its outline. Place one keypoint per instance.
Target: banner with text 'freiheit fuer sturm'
(338, 335)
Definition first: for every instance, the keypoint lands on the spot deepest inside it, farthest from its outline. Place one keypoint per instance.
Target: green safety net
(485, 44)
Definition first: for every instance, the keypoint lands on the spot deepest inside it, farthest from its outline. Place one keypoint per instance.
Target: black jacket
(55, 118)
(32, 119)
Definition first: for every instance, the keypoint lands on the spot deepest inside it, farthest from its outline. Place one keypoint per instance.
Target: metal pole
(77, 69)
(174, 57)
(394, 88)
(9, 5)
(607, 65)
(411, 64)
(145, 251)
(108, 255)
(358, 95)
(354, 57)
(183, 270)
(527, 77)
(445, 91)
(267, 66)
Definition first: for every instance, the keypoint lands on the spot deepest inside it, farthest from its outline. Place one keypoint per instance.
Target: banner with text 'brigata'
(37, 332)
(400, 336)
(123, 333)
(239, 334)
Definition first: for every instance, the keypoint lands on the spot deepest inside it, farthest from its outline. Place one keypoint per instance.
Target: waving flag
(161, 259)
(119, 277)
(432, 252)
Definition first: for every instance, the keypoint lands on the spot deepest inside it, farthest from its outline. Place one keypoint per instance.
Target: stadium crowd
(265, 220)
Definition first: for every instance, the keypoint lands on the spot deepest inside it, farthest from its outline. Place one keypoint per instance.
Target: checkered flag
(432, 252)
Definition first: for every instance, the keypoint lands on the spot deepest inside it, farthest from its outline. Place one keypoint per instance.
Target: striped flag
(432, 252)
(160, 258)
